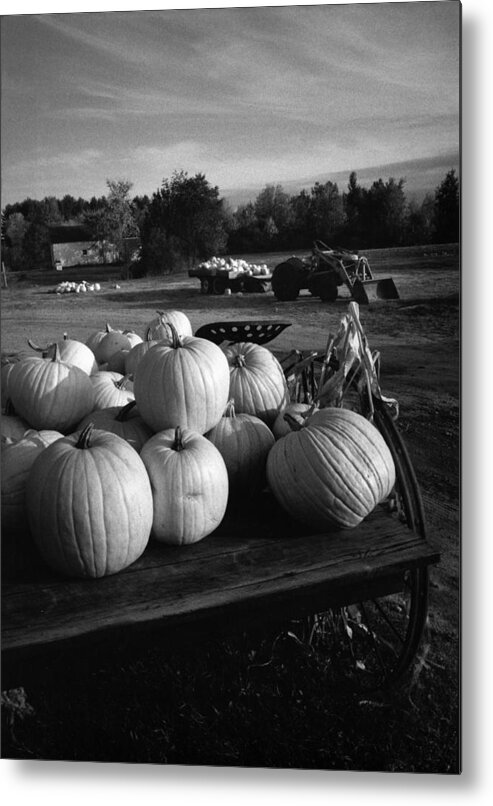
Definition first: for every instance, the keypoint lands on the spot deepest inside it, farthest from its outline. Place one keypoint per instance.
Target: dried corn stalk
(349, 366)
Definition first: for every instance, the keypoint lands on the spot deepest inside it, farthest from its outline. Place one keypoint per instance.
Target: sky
(248, 96)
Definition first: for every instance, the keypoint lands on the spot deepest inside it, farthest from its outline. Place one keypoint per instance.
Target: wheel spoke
(373, 639)
(392, 626)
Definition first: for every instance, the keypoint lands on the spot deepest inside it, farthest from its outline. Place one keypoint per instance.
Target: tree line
(186, 220)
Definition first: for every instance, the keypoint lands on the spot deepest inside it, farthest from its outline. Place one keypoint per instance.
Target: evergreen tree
(447, 210)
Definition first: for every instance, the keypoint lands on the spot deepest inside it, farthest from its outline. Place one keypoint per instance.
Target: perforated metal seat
(256, 332)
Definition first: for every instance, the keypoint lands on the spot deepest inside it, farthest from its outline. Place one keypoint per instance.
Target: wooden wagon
(217, 281)
(369, 584)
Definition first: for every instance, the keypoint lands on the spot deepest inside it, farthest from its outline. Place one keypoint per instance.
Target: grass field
(270, 701)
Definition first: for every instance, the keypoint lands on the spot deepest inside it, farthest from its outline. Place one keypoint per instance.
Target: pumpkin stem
(239, 361)
(125, 411)
(36, 347)
(178, 443)
(84, 440)
(56, 352)
(175, 339)
(292, 422)
(148, 336)
(229, 410)
(122, 382)
(108, 328)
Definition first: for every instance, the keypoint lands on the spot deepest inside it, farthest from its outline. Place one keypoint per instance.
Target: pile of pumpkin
(236, 265)
(108, 443)
(67, 287)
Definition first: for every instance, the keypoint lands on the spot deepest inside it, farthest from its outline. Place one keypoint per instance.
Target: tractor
(325, 271)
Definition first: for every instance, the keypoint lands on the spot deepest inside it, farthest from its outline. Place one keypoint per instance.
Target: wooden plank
(234, 574)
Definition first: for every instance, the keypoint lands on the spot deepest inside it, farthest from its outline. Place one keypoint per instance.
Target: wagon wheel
(218, 286)
(287, 279)
(206, 285)
(372, 643)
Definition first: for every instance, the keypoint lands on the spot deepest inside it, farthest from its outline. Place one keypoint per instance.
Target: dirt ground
(418, 337)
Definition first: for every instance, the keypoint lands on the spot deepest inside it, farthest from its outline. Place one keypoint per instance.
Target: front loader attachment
(365, 290)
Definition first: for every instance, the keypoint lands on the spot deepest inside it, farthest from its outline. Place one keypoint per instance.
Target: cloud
(44, 162)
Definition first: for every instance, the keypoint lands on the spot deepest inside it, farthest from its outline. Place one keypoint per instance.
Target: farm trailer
(218, 280)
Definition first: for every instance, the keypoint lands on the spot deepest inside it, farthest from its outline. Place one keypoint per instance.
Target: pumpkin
(257, 382)
(111, 343)
(137, 352)
(125, 421)
(49, 393)
(17, 459)
(116, 362)
(133, 337)
(244, 442)
(8, 362)
(158, 328)
(298, 411)
(95, 339)
(12, 426)
(189, 485)
(184, 383)
(71, 351)
(111, 389)
(333, 471)
(89, 504)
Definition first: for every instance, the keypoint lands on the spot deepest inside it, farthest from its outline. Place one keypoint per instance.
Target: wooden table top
(260, 565)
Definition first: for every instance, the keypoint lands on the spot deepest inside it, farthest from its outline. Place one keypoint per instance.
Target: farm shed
(74, 246)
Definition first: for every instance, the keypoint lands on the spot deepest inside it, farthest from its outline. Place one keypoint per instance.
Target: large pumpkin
(182, 384)
(71, 351)
(111, 389)
(50, 394)
(89, 504)
(96, 337)
(189, 485)
(257, 382)
(159, 329)
(244, 442)
(7, 364)
(113, 342)
(17, 459)
(125, 421)
(333, 471)
(138, 352)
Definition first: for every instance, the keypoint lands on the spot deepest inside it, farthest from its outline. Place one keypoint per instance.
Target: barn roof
(70, 234)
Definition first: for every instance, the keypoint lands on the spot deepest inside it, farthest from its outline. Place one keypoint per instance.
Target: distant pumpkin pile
(125, 438)
(234, 266)
(67, 287)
